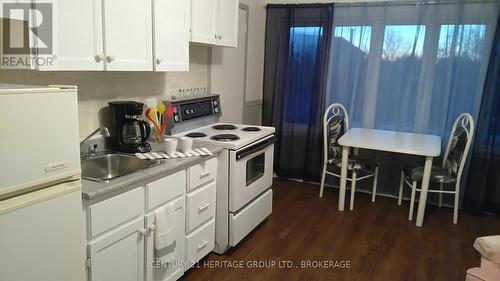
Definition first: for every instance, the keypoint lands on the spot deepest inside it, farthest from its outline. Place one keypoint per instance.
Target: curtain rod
(380, 3)
(423, 3)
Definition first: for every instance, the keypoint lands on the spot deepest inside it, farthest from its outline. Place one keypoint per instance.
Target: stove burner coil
(251, 129)
(196, 135)
(225, 137)
(224, 127)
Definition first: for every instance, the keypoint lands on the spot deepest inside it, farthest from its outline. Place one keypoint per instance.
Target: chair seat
(355, 164)
(437, 174)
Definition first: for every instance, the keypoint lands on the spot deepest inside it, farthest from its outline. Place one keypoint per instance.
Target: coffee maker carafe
(130, 131)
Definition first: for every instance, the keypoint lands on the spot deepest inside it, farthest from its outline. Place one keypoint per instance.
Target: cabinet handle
(202, 245)
(203, 208)
(202, 175)
(159, 61)
(99, 58)
(220, 37)
(143, 232)
(152, 228)
(110, 58)
(216, 36)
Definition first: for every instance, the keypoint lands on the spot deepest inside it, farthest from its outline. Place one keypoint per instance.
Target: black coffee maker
(130, 131)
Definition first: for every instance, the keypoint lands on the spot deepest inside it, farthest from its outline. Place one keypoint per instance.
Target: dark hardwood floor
(376, 239)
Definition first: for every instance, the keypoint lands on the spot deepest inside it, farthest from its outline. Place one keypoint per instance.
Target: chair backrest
(459, 145)
(335, 124)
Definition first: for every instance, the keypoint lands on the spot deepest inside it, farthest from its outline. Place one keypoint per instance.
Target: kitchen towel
(165, 241)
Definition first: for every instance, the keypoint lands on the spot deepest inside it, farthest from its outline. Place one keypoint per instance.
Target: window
(351, 48)
(400, 69)
(302, 61)
(410, 67)
(357, 37)
(465, 41)
(459, 59)
(403, 41)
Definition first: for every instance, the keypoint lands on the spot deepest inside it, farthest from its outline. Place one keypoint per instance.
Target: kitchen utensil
(186, 144)
(160, 108)
(170, 146)
(151, 118)
(152, 102)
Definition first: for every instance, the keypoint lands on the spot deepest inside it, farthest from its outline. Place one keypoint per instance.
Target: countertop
(92, 190)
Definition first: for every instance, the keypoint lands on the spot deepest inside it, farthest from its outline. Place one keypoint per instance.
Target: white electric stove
(245, 166)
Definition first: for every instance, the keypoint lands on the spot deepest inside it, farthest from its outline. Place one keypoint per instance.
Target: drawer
(249, 217)
(202, 173)
(200, 206)
(116, 210)
(165, 189)
(200, 243)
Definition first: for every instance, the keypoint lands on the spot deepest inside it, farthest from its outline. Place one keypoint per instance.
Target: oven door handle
(255, 148)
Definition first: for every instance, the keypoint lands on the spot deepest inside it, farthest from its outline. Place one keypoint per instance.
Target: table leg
(423, 192)
(343, 177)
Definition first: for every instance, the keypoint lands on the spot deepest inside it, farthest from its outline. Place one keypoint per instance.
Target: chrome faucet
(91, 150)
(102, 130)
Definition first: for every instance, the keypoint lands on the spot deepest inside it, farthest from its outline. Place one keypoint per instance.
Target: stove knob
(191, 111)
(216, 110)
(187, 111)
(215, 102)
(176, 118)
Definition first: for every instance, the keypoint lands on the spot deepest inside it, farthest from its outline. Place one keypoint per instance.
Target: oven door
(250, 172)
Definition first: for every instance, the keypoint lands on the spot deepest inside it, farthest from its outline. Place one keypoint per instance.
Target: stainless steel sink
(103, 168)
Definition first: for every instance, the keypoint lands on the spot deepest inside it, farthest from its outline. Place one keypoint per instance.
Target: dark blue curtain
(295, 75)
(482, 192)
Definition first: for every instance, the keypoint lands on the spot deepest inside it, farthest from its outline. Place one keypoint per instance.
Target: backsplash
(96, 89)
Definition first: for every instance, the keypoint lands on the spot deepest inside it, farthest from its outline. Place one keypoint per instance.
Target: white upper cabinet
(215, 22)
(171, 35)
(204, 21)
(128, 35)
(77, 36)
(227, 23)
(135, 35)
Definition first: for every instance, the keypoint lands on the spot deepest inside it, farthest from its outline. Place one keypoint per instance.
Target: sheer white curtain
(410, 67)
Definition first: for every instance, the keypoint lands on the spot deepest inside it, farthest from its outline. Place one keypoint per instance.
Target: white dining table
(428, 146)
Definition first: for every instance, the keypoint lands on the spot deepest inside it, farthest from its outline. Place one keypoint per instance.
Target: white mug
(170, 146)
(186, 144)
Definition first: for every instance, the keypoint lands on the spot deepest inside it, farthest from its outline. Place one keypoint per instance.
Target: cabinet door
(128, 35)
(204, 21)
(77, 36)
(227, 23)
(169, 271)
(171, 35)
(119, 255)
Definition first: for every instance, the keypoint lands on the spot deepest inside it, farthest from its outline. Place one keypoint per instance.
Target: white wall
(96, 89)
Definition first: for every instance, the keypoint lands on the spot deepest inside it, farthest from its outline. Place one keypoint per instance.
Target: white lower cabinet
(156, 270)
(120, 229)
(119, 254)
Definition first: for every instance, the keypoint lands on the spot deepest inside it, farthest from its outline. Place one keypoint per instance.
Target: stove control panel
(188, 109)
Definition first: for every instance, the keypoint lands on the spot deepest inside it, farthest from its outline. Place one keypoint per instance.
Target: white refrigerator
(41, 218)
